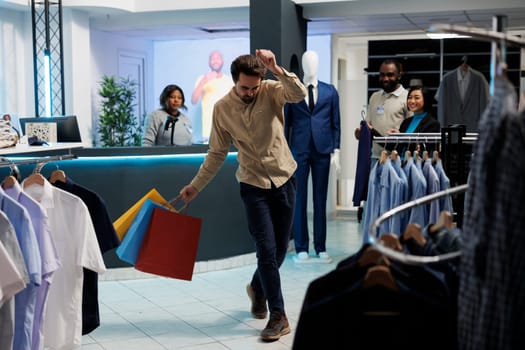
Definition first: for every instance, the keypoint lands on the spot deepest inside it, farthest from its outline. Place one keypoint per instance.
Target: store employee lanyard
(170, 123)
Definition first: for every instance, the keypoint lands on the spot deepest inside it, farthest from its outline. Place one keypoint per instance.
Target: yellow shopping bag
(123, 223)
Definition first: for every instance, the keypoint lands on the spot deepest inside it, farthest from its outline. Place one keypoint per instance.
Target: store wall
(77, 70)
(89, 54)
(105, 49)
(16, 63)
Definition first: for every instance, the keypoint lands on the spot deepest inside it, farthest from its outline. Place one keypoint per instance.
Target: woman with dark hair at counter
(167, 126)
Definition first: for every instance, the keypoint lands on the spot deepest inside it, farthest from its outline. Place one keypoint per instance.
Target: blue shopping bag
(129, 248)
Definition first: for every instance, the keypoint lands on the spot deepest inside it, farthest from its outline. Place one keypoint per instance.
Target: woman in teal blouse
(422, 120)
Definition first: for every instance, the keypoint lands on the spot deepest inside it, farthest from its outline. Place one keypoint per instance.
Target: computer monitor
(52, 129)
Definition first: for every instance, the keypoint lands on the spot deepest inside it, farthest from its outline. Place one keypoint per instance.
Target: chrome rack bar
(479, 34)
(419, 137)
(404, 257)
(6, 162)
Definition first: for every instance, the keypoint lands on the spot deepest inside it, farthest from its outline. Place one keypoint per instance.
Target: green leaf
(117, 124)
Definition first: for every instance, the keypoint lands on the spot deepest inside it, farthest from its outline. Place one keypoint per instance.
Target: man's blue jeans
(270, 216)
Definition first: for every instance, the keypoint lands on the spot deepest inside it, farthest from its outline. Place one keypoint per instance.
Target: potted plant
(117, 123)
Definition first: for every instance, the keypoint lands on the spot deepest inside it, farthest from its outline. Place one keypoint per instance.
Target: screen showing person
(209, 88)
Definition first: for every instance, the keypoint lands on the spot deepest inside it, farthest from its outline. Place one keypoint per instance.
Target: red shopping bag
(170, 246)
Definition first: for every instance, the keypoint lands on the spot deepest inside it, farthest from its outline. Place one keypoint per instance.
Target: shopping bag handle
(174, 201)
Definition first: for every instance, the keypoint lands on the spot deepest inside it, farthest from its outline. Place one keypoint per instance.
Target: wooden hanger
(394, 156)
(408, 155)
(414, 231)
(391, 241)
(372, 256)
(57, 175)
(425, 155)
(35, 178)
(9, 182)
(380, 275)
(445, 220)
(384, 157)
(435, 157)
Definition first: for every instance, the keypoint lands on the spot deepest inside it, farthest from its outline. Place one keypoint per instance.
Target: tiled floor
(212, 311)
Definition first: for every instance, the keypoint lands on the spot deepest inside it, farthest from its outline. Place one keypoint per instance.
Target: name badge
(380, 110)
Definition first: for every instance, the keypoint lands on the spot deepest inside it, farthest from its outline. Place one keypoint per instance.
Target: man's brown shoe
(277, 326)
(258, 309)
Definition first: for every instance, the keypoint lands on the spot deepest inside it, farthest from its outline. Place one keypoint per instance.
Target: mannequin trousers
(319, 166)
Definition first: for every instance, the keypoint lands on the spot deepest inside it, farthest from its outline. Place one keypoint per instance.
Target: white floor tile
(211, 312)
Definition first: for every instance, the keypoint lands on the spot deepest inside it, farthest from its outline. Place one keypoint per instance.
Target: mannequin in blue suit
(314, 139)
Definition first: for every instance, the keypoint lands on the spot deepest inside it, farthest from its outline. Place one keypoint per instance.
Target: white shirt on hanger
(12, 281)
(7, 306)
(77, 247)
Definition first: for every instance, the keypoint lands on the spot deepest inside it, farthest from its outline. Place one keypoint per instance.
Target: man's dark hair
(249, 65)
(166, 94)
(396, 63)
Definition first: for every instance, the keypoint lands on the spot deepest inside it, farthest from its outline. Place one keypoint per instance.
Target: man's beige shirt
(257, 131)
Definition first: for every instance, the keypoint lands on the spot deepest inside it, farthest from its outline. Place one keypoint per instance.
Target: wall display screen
(202, 69)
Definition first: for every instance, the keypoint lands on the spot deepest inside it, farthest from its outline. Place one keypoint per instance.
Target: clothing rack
(492, 36)
(433, 137)
(405, 257)
(41, 161)
(455, 153)
(480, 34)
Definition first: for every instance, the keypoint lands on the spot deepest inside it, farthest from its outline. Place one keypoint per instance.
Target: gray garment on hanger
(451, 108)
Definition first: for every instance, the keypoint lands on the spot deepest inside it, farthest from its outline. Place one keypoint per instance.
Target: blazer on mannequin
(314, 139)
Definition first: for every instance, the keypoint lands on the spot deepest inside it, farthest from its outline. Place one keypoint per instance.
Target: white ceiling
(176, 19)
(324, 17)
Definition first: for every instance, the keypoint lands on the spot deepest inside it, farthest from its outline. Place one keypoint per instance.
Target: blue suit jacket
(323, 125)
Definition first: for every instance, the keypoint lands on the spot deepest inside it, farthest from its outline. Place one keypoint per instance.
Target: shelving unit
(430, 59)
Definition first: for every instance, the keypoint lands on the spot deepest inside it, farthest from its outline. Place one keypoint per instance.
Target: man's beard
(248, 99)
(389, 86)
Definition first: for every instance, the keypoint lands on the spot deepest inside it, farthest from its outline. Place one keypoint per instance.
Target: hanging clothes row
(372, 302)
(492, 287)
(451, 142)
(393, 182)
(62, 230)
(375, 300)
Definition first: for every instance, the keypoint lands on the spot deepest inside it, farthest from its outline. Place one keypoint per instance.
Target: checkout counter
(122, 175)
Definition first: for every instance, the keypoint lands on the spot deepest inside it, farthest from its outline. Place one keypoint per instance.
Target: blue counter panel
(122, 180)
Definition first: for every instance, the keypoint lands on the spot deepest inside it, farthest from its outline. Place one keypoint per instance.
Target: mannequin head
(310, 65)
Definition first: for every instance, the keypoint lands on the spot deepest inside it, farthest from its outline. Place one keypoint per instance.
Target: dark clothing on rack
(350, 316)
(364, 152)
(107, 239)
(492, 273)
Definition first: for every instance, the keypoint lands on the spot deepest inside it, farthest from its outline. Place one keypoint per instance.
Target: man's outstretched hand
(188, 193)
